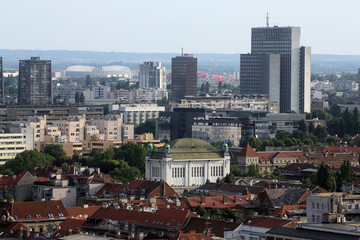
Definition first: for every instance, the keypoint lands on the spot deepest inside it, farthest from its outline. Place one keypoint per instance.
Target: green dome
(189, 148)
(188, 143)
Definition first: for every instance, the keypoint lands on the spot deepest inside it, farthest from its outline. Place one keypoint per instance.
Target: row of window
(217, 171)
(178, 172)
(197, 171)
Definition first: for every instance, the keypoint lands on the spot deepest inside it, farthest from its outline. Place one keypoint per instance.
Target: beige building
(217, 129)
(10, 145)
(245, 102)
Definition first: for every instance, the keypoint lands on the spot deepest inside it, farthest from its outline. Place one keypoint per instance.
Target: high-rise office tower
(278, 66)
(2, 95)
(152, 75)
(34, 86)
(183, 76)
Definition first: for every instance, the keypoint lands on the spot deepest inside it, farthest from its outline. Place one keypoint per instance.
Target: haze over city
(167, 26)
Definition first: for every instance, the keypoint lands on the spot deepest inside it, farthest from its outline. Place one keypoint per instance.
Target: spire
(267, 19)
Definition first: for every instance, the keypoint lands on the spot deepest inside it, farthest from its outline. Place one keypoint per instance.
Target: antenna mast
(267, 19)
(182, 51)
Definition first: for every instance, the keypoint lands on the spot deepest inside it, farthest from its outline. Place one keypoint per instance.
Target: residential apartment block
(34, 83)
(139, 113)
(152, 75)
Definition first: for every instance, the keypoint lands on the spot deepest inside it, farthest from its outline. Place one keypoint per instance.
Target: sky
(166, 26)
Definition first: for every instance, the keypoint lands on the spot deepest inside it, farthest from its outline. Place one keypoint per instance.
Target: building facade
(187, 162)
(268, 44)
(152, 75)
(2, 96)
(183, 76)
(34, 84)
(139, 113)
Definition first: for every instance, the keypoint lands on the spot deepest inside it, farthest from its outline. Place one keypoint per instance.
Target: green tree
(203, 88)
(207, 87)
(82, 97)
(220, 85)
(200, 211)
(56, 151)
(229, 178)
(326, 177)
(29, 160)
(302, 126)
(311, 127)
(147, 127)
(227, 214)
(133, 154)
(355, 121)
(347, 173)
(321, 133)
(124, 173)
(236, 171)
(254, 170)
(253, 142)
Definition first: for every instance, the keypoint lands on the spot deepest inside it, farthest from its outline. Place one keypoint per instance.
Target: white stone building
(190, 162)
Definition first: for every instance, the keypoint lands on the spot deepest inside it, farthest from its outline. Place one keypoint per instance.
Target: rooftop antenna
(182, 51)
(267, 19)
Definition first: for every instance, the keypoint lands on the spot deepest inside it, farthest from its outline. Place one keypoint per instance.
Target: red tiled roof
(73, 224)
(217, 227)
(34, 211)
(248, 151)
(218, 201)
(267, 222)
(111, 188)
(166, 218)
(80, 212)
(288, 210)
(193, 236)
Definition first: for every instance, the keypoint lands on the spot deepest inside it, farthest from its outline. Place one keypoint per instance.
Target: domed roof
(189, 148)
(80, 68)
(185, 143)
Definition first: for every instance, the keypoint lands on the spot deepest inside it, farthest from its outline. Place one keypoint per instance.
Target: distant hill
(231, 62)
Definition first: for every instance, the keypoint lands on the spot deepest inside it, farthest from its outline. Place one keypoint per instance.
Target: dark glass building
(34, 86)
(184, 76)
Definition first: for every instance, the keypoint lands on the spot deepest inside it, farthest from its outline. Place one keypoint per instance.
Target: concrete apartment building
(278, 66)
(152, 75)
(34, 83)
(139, 113)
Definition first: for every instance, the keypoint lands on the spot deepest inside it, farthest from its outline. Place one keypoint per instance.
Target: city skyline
(209, 26)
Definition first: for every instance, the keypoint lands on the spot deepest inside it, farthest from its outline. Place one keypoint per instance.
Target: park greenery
(331, 180)
(124, 163)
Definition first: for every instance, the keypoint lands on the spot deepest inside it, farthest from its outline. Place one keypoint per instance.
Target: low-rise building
(187, 162)
(332, 207)
(139, 113)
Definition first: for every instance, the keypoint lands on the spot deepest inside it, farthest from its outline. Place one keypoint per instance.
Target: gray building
(264, 72)
(294, 67)
(34, 84)
(2, 96)
(152, 75)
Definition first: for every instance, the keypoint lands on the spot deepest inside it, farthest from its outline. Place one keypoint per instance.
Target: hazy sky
(199, 26)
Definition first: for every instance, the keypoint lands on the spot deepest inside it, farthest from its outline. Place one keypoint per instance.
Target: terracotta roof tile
(217, 227)
(80, 212)
(267, 222)
(248, 151)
